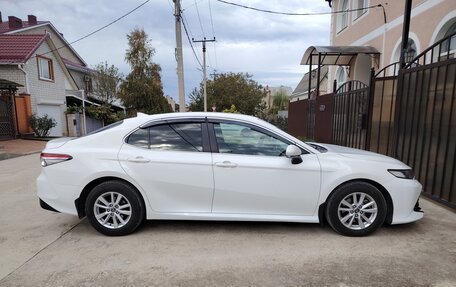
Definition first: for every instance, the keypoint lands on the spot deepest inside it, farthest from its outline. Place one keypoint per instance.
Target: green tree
(229, 89)
(142, 90)
(280, 101)
(107, 81)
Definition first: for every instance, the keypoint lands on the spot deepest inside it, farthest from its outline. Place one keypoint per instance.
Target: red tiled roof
(19, 48)
(72, 65)
(4, 26)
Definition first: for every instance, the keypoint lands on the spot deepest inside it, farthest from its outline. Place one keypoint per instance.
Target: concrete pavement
(18, 147)
(41, 248)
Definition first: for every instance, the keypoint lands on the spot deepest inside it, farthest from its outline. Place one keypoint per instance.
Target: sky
(269, 47)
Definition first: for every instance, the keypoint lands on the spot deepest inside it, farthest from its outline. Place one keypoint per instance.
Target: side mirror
(294, 153)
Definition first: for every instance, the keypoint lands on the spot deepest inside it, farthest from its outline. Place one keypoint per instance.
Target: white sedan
(214, 166)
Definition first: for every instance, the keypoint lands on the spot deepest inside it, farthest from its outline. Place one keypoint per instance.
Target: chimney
(14, 22)
(1, 21)
(31, 20)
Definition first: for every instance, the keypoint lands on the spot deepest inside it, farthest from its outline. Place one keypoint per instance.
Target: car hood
(356, 153)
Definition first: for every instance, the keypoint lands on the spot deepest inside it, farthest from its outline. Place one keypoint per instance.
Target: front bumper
(405, 195)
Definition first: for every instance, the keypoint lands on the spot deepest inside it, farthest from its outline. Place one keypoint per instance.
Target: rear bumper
(56, 196)
(46, 206)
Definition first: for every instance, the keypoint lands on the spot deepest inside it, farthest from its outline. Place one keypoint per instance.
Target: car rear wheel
(114, 208)
(356, 209)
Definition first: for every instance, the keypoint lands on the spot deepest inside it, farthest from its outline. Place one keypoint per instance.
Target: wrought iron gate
(6, 118)
(351, 103)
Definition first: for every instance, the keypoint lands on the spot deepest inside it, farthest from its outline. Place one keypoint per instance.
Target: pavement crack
(41, 250)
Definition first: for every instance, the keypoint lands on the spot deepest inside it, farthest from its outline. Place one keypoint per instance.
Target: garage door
(53, 112)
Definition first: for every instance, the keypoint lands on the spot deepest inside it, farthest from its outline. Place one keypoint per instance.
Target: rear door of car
(172, 162)
(252, 175)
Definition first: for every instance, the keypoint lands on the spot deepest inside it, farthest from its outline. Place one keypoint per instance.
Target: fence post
(370, 107)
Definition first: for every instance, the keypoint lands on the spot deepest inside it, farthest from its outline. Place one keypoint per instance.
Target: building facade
(378, 24)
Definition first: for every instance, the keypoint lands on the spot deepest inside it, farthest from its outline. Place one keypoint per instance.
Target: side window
(139, 138)
(240, 139)
(171, 137)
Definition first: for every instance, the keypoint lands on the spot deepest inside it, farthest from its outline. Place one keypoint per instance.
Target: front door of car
(171, 163)
(252, 175)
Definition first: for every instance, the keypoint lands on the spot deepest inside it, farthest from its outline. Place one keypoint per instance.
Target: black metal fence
(425, 129)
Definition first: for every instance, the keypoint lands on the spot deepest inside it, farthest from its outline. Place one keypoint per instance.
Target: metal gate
(383, 90)
(6, 118)
(425, 136)
(351, 104)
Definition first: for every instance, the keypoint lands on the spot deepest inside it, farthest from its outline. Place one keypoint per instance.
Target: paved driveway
(41, 248)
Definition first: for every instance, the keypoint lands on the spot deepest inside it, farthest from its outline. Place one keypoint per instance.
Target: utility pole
(204, 67)
(180, 64)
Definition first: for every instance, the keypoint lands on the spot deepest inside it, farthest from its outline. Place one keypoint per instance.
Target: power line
(99, 29)
(213, 33)
(296, 14)
(199, 18)
(189, 40)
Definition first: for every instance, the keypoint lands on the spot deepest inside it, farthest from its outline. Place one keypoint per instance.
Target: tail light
(53, 158)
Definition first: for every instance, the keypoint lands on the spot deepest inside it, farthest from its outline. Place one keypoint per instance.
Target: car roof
(142, 118)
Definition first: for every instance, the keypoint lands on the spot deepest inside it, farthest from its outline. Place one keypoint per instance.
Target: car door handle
(226, 163)
(138, 159)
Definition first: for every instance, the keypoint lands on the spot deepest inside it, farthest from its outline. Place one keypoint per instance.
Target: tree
(229, 89)
(280, 101)
(142, 90)
(107, 81)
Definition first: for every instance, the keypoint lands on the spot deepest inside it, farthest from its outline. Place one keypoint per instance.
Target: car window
(243, 139)
(139, 138)
(172, 137)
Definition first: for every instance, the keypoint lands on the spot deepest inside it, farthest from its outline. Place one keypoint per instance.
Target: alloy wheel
(357, 211)
(112, 210)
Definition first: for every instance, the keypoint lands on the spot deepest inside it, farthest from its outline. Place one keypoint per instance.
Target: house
(380, 28)
(302, 89)
(33, 62)
(35, 55)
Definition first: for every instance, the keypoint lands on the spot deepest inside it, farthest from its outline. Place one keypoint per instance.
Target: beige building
(379, 26)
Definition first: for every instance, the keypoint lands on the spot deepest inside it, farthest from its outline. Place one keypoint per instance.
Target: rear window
(106, 128)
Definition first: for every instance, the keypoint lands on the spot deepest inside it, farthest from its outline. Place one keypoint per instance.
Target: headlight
(402, 173)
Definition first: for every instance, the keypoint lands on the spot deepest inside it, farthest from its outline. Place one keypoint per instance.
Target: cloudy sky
(267, 46)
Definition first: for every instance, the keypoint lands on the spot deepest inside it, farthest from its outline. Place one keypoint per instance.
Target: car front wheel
(356, 209)
(114, 208)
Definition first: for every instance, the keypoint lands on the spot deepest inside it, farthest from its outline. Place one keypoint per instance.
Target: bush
(42, 125)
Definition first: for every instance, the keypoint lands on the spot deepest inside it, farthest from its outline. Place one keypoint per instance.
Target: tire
(115, 208)
(356, 209)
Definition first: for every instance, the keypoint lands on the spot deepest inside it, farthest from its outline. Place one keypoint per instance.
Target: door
(172, 164)
(55, 113)
(253, 176)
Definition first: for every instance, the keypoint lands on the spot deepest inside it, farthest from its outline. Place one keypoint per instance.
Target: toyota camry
(217, 166)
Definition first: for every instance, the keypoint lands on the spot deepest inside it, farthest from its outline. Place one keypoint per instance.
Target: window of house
(411, 51)
(242, 139)
(341, 76)
(170, 137)
(342, 18)
(360, 4)
(448, 47)
(45, 69)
